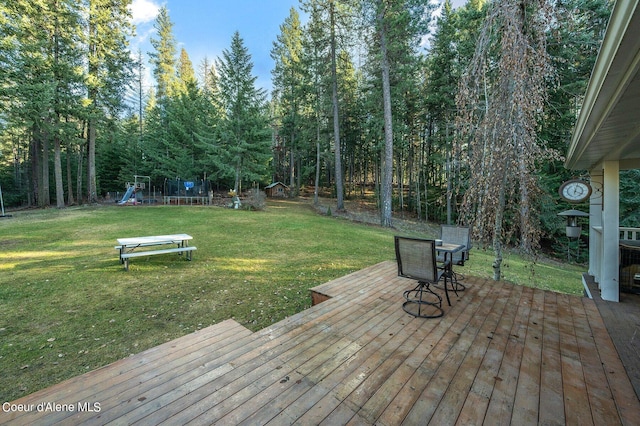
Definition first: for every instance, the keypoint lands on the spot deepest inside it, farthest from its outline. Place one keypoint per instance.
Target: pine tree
(398, 27)
(186, 75)
(66, 53)
(443, 74)
(315, 68)
(163, 58)
(208, 133)
(161, 142)
(245, 135)
(42, 82)
(109, 72)
(288, 89)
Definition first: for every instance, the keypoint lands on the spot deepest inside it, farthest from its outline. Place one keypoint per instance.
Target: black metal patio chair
(417, 260)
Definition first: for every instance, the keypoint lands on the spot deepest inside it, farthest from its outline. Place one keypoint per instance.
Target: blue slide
(127, 195)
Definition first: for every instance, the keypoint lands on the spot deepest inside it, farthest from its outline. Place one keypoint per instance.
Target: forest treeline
(369, 97)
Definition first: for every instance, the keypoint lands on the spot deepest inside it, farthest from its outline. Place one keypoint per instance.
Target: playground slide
(127, 195)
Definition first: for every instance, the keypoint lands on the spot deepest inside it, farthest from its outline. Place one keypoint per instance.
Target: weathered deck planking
(622, 321)
(500, 354)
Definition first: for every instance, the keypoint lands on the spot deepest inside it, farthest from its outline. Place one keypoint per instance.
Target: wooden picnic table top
(159, 239)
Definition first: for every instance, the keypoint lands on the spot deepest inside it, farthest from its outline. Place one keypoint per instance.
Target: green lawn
(67, 305)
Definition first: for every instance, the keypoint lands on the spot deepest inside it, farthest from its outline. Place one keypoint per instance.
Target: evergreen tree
(315, 69)
(67, 60)
(337, 148)
(399, 26)
(444, 66)
(288, 90)
(573, 44)
(168, 143)
(109, 72)
(335, 17)
(163, 58)
(41, 84)
(184, 120)
(186, 75)
(245, 136)
(208, 133)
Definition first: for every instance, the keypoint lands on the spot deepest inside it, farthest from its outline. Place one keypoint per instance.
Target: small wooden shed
(276, 189)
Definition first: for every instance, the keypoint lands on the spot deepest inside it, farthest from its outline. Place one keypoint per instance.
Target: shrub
(255, 200)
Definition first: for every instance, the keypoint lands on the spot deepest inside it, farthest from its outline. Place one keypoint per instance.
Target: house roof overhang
(608, 127)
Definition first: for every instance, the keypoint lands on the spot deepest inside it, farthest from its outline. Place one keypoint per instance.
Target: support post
(609, 285)
(595, 225)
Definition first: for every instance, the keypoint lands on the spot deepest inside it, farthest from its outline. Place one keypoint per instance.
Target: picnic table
(130, 247)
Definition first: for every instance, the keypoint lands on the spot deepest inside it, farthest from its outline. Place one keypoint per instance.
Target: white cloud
(144, 11)
(144, 35)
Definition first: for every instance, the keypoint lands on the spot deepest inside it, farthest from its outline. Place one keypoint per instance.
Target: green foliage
(629, 198)
(289, 92)
(65, 63)
(573, 47)
(163, 58)
(245, 137)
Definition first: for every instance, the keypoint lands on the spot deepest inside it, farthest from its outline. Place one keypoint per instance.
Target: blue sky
(205, 27)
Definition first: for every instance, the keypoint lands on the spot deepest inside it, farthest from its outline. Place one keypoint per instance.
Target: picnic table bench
(128, 246)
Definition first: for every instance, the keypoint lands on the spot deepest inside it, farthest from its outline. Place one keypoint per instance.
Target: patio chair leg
(456, 285)
(446, 290)
(418, 298)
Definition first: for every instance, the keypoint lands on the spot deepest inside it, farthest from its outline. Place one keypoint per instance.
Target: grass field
(67, 306)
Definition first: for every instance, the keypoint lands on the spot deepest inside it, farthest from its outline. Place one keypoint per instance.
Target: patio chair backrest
(416, 258)
(457, 235)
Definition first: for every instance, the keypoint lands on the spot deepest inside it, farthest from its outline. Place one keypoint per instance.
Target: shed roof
(275, 184)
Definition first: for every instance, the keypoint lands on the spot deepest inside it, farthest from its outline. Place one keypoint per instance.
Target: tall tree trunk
(70, 199)
(92, 190)
(336, 115)
(57, 165)
(318, 136)
(292, 169)
(317, 180)
(79, 173)
(35, 173)
(497, 235)
(45, 198)
(387, 175)
(449, 186)
(299, 176)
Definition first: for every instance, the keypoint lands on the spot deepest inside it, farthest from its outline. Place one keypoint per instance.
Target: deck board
(500, 354)
(527, 395)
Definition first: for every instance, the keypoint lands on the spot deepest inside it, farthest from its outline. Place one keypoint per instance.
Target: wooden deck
(501, 354)
(623, 324)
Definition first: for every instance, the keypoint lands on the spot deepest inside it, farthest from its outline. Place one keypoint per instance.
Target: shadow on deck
(501, 354)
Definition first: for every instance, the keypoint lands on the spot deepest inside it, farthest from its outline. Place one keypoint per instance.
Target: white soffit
(608, 127)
